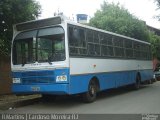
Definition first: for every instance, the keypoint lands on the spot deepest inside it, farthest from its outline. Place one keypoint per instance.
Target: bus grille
(37, 77)
(37, 73)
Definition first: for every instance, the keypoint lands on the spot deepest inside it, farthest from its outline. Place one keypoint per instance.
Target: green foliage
(115, 18)
(11, 12)
(155, 39)
(158, 5)
(158, 2)
(155, 45)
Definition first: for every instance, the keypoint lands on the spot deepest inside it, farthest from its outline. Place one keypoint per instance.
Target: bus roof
(58, 20)
(33, 24)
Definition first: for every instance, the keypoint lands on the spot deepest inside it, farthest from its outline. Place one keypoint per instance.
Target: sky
(145, 10)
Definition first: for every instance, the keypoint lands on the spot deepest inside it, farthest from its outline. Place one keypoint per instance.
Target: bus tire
(150, 81)
(137, 84)
(91, 94)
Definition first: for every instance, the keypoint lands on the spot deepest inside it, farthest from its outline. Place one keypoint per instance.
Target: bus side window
(136, 47)
(71, 36)
(128, 44)
(93, 39)
(76, 36)
(118, 47)
(82, 41)
(77, 41)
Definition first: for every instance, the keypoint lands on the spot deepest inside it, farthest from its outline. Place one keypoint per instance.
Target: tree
(115, 18)
(158, 5)
(155, 44)
(155, 39)
(12, 12)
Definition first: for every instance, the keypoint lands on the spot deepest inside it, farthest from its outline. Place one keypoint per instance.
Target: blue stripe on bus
(41, 76)
(41, 81)
(79, 83)
(59, 89)
(76, 83)
(146, 74)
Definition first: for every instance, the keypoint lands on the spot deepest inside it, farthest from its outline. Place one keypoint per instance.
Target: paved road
(144, 100)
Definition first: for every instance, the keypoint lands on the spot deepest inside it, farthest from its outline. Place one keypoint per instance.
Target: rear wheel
(150, 81)
(137, 84)
(90, 95)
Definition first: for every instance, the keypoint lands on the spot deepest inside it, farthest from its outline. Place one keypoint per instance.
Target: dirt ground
(8, 101)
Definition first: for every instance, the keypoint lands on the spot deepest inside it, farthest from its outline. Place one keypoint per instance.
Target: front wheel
(90, 95)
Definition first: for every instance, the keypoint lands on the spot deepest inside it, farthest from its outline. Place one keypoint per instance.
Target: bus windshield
(44, 45)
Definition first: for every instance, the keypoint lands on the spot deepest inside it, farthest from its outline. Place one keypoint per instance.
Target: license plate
(16, 80)
(35, 88)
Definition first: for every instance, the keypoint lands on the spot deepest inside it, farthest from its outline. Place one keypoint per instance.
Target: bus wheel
(90, 95)
(138, 82)
(150, 81)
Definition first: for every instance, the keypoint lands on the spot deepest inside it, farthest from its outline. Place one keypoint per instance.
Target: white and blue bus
(56, 56)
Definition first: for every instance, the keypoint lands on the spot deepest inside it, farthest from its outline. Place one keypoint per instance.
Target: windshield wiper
(50, 62)
(23, 64)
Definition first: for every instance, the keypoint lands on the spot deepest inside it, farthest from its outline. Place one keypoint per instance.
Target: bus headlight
(16, 80)
(61, 78)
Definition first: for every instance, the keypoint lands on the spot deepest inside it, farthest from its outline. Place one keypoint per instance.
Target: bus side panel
(79, 83)
(124, 78)
(146, 75)
(106, 81)
(111, 73)
(116, 79)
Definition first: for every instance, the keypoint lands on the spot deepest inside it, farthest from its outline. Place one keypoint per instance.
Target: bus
(56, 56)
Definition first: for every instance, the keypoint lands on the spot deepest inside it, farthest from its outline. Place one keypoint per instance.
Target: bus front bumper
(59, 89)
